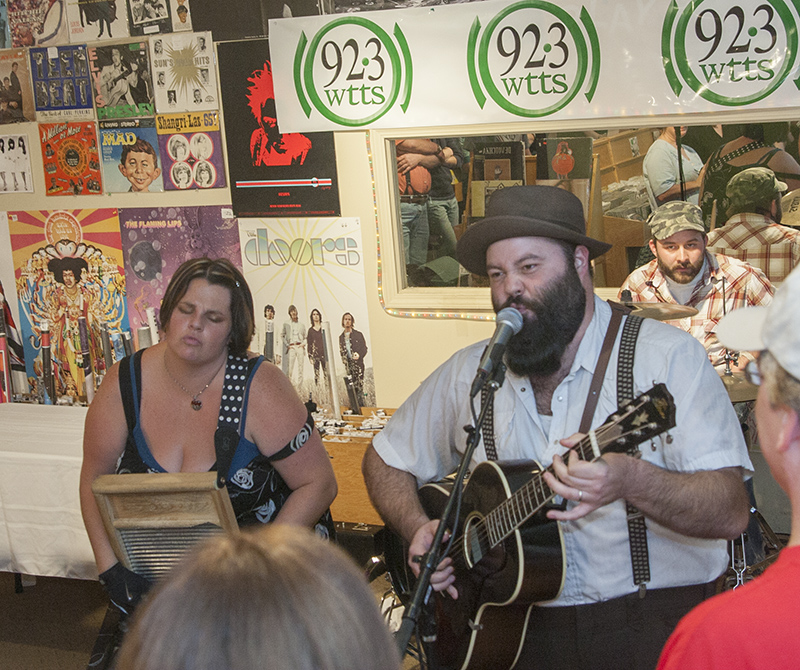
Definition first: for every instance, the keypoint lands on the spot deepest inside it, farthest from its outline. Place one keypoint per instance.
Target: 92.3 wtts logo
(729, 54)
(533, 58)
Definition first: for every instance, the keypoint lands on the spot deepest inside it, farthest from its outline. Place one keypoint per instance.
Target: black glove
(125, 588)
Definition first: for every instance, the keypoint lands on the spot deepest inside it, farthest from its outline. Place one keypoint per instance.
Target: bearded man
(687, 484)
(684, 272)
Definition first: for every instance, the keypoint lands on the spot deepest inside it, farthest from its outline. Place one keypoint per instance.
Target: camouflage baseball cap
(753, 186)
(674, 217)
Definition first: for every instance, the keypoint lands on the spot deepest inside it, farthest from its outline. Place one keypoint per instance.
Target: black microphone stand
(422, 589)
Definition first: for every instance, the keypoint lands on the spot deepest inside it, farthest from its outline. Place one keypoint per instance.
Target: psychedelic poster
(38, 23)
(15, 164)
(61, 82)
(156, 241)
(270, 174)
(129, 149)
(191, 150)
(68, 266)
(121, 78)
(96, 20)
(183, 67)
(148, 17)
(71, 158)
(315, 266)
(17, 104)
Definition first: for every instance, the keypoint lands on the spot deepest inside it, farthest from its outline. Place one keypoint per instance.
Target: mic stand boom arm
(422, 589)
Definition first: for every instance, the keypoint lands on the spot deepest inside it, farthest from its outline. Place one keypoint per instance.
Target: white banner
(486, 62)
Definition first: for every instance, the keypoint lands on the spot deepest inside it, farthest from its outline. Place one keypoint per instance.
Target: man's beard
(537, 349)
(680, 278)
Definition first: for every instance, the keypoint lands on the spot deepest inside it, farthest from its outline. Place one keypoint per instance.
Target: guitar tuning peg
(652, 444)
(669, 438)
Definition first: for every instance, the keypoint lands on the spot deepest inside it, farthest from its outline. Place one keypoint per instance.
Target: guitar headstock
(644, 417)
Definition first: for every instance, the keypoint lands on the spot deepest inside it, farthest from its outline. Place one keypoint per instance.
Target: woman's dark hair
(220, 272)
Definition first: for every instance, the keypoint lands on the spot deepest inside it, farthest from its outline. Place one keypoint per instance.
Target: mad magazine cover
(15, 164)
(123, 87)
(129, 149)
(68, 266)
(38, 22)
(270, 174)
(71, 158)
(155, 241)
(61, 82)
(191, 150)
(307, 280)
(96, 20)
(149, 17)
(183, 67)
(16, 96)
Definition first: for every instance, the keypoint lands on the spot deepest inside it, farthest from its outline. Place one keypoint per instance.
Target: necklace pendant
(197, 405)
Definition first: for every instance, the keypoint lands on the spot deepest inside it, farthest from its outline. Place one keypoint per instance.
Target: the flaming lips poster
(71, 158)
(68, 270)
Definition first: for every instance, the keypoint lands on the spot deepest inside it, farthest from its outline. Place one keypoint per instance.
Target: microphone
(509, 322)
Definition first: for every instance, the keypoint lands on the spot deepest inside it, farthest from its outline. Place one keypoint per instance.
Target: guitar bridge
(474, 627)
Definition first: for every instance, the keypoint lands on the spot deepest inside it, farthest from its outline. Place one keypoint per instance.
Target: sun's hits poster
(71, 158)
(61, 82)
(121, 79)
(129, 149)
(183, 67)
(191, 150)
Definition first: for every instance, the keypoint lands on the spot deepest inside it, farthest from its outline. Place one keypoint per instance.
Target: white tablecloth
(41, 530)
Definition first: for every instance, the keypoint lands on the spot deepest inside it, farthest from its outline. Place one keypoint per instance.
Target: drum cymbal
(660, 311)
(790, 204)
(738, 388)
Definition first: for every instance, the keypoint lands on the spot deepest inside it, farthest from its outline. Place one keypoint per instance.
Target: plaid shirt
(756, 239)
(745, 286)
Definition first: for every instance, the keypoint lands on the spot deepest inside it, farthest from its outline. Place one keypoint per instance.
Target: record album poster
(15, 164)
(182, 16)
(16, 102)
(129, 149)
(71, 158)
(68, 265)
(314, 268)
(155, 241)
(96, 20)
(191, 150)
(149, 17)
(123, 87)
(38, 22)
(183, 67)
(5, 32)
(270, 174)
(251, 18)
(61, 82)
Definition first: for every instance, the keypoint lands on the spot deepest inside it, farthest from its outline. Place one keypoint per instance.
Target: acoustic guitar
(507, 555)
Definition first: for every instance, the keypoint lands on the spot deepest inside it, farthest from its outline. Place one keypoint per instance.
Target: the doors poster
(15, 164)
(129, 149)
(38, 22)
(156, 241)
(16, 104)
(71, 158)
(62, 83)
(121, 78)
(96, 20)
(303, 273)
(191, 150)
(183, 68)
(68, 267)
(271, 174)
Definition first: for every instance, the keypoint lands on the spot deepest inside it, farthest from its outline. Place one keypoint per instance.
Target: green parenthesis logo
(541, 58)
(355, 80)
(728, 54)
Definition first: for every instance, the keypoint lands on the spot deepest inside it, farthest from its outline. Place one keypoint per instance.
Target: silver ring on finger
(580, 495)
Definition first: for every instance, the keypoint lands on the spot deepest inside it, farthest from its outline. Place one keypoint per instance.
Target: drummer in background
(684, 272)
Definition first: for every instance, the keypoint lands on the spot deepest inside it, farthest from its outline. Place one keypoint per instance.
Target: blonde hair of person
(274, 598)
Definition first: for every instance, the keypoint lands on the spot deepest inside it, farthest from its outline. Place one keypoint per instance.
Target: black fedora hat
(526, 211)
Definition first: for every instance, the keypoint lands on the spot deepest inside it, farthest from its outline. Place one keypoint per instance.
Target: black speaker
(361, 540)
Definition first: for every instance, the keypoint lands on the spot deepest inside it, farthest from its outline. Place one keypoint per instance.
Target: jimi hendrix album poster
(96, 20)
(121, 79)
(191, 150)
(155, 241)
(71, 158)
(183, 67)
(129, 149)
(15, 164)
(18, 105)
(38, 22)
(270, 174)
(68, 265)
(148, 17)
(61, 83)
